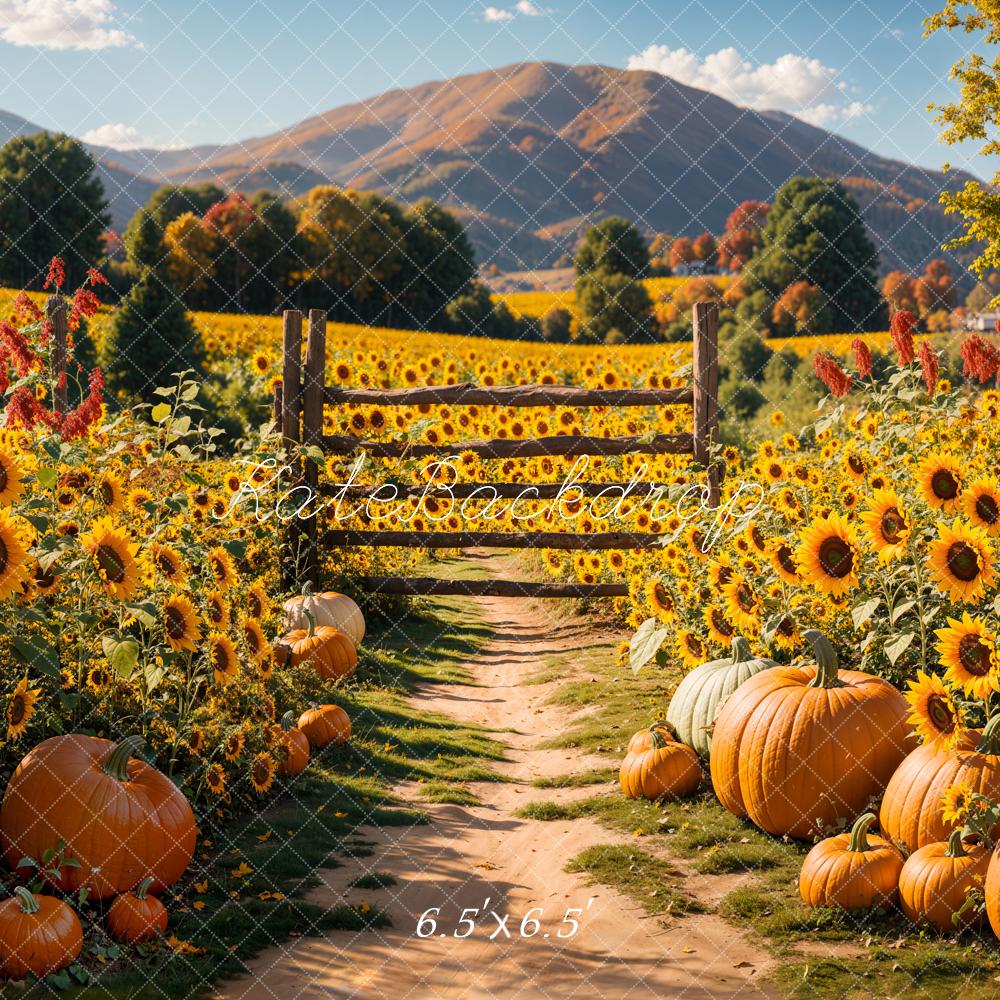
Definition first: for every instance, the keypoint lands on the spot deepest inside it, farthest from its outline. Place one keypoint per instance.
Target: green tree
(614, 246)
(51, 204)
(171, 201)
(151, 335)
(815, 233)
(613, 302)
(273, 251)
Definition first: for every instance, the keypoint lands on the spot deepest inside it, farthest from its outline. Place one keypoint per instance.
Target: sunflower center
(836, 557)
(3, 478)
(167, 567)
(857, 466)
(725, 575)
(220, 659)
(892, 525)
(111, 563)
(107, 494)
(720, 623)
(745, 598)
(787, 560)
(17, 710)
(176, 625)
(987, 509)
(940, 713)
(975, 655)
(4, 555)
(963, 561)
(660, 595)
(944, 484)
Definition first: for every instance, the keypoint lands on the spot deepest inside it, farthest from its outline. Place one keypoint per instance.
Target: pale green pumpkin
(700, 695)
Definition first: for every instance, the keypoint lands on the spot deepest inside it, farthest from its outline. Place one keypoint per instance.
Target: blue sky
(179, 72)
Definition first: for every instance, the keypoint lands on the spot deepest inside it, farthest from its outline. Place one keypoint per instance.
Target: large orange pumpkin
(798, 748)
(854, 871)
(136, 916)
(324, 725)
(911, 811)
(934, 880)
(992, 891)
(335, 610)
(120, 818)
(664, 770)
(292, 745)
(38, 935)
(330, 652)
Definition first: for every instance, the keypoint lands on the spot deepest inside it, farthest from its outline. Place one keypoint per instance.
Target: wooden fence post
(286, 407)
(55, 310)
(313, 387)
(706, 394)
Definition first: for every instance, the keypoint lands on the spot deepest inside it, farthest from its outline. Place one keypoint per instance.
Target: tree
(52, 204)
(613, 302)
(704, 247)
(742, 236)
(227, 222)
(801, 309)
(935, 288)
(748, 215)
(191, 250)
(899, 290)
(681, 252)
(613, 246)
(659, 255)
(271, 248)
(557, 326)
(979, 298)
(815, 233)
(151, 335)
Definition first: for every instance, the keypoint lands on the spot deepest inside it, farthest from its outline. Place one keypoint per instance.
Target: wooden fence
(298, 410)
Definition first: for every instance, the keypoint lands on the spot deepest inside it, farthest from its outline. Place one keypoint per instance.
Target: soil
(485, 858)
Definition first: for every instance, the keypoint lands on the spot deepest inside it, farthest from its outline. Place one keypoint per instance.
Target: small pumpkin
(855, 871)
(702, 693)
(666, 770)
(324, 725)
(796, 748)
(120, 818)
(330, 651)
(38, 935)
(327, 609)
(136, 916)
(911, 812)
(293, 746)
(642, 739)
(934, 880)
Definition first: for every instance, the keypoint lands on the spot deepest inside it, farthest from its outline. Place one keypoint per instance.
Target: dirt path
(471, 854)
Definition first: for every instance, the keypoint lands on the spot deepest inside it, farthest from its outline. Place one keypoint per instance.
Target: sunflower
(828, 554)
(260, 363)
(660, 600)
(940, 480)
(167, 562)
(743, 604)
(256, 644)
(262, 772)
(196, 740)
(887, 525)
(114, 558)
(98, 678)
(11, 477)
(110, 493)
(256, 601)
(20, 708)
(180, 624)
(969, 655)
(981, 503)
(934, 714)
(215, 779)
(232, 749)
(14, 569)
(222, 654)
(221, 564)
(217, 611)
(955, 804)
(783, 561)
(961, 561)
(720, 629)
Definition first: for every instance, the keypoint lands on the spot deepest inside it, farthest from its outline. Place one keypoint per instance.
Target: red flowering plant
(27, 378)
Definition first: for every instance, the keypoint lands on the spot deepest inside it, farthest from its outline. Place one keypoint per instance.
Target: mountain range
(530, 154)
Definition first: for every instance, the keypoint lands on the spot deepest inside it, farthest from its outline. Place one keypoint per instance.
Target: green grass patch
(582, 779)
(375, 880)
(454, 795)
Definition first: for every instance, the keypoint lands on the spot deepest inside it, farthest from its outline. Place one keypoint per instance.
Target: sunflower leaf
(160, 412)
(144, 613)
(897, 646)
(863, 612)
(38, 654)
(122, 654)
(647, 640)
(900, 609)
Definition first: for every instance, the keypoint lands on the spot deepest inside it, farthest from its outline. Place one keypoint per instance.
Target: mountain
(531, 154)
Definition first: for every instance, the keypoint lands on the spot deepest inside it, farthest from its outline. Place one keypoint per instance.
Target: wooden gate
(298, 411)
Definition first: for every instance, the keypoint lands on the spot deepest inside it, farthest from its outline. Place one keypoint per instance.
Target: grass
(598, 776)
(375, 880)
(454, 795)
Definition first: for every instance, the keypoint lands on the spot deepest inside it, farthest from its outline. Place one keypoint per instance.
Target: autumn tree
(935, 289)
(703, 247)
(659, 254)
(681, 252)
(190, 259)
(227, 222)
(899, 290)
(742, 236)
(800, 309)
(171, 201)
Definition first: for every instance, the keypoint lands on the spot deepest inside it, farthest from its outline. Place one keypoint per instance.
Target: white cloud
(61, 24)
(117, 135)
(527, 8)
(524, 8)
(498, 14)
(799, 85)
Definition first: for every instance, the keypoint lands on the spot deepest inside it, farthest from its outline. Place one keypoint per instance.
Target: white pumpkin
(335, 610)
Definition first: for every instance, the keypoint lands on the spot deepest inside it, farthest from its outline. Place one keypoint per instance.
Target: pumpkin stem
(288, 721)
(143, 887)
(658, 738)
(955, 848)
(117, 763)
(989, 742)
(312, 623)
(741, 650)
(859, 833)
(307, 589)
(28, 902)
(827, 661)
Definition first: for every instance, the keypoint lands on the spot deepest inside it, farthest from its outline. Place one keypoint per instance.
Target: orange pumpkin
(665, 770)
(911, 812)
(120, 818)
(853, 870)
(797, 748)
(293, 747)
(992, 891)
(643, 738)
(136, 916)
(324, 725)
(38, 935)
(331, 653)
(335, 610)
(934, 880)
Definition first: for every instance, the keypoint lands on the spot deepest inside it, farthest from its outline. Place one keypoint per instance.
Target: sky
(185, 72)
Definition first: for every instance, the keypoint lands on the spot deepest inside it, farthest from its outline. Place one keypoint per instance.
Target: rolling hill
(530, 154)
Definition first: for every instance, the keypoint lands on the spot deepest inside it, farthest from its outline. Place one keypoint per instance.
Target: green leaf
(895, 648)
(47, 478)
(122, 654)
(154, 674)
(38, 654)
(647, 640)
(160, 412)
(900, 609)
(861, 613)
(144, 613)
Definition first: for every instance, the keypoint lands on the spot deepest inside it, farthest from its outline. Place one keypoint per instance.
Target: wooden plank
(291, 376)
(471, 394)
(347, 537)
(504, 491)
(706, 393)
(313, 380)
(571, 445)
(426, 585)
(55, 309)
(277, 397)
